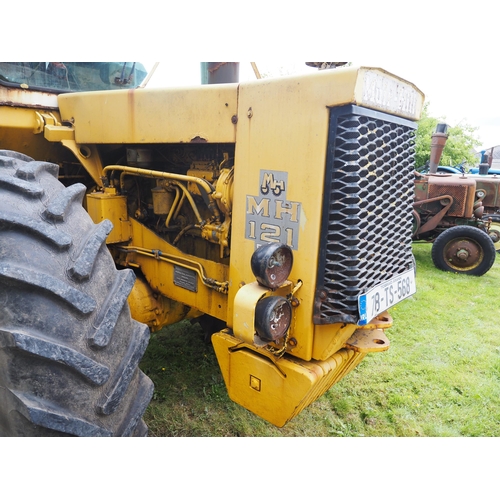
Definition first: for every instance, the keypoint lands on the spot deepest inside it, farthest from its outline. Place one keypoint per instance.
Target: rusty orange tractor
(458, 213)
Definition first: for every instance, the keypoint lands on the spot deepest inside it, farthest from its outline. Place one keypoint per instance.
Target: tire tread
(69, 349)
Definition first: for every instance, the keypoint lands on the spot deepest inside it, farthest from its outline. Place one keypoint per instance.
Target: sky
(458, 93)
(448, 49)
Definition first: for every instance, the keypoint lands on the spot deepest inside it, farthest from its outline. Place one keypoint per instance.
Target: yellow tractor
(278, 210)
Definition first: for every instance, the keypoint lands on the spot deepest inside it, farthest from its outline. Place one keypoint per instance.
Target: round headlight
(272, 264)
(273, 316)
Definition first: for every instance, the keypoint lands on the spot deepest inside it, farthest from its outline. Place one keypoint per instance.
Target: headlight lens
(273, 316)
(271, 264)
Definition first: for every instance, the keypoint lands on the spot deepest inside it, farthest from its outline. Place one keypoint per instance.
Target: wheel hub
(494, 233)
(462, 253)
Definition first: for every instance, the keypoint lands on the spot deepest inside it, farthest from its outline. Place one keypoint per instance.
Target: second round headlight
(273, 316)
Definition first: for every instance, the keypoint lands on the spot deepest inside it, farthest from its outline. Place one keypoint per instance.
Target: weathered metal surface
(434, 187)
(490, 185)
(23, 98)
(152, 116)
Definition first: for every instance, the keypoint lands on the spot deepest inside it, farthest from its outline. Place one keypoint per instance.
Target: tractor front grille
(367, 213)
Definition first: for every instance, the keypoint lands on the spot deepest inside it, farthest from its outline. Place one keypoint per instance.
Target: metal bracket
(366, 341)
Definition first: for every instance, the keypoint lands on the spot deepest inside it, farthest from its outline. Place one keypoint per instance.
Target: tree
(459, 146)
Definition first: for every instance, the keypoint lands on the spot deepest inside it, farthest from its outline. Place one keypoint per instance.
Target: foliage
(439, 378)
(459, 146)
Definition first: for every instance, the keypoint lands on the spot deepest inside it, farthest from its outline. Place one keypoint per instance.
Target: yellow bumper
(277, 389)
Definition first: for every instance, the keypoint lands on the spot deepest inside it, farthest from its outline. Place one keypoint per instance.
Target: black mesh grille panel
(367, 214)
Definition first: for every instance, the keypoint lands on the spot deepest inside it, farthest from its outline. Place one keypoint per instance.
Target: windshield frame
(63, 78)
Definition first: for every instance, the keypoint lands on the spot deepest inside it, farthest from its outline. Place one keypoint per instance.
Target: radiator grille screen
(367, 215)
(459, 193)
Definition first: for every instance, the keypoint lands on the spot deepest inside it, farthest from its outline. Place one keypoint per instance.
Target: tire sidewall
(469, 233)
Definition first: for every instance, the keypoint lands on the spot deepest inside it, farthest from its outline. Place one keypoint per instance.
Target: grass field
(441, 376)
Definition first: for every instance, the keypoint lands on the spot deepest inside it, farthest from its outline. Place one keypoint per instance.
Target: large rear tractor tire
(464, 250)
(69, 349)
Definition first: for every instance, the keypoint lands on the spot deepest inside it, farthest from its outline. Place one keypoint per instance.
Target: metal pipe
(220, 72)
(438, 143)
(178, 209)
(174, 205)
(180, 185)
(220, 286)
(205, 187)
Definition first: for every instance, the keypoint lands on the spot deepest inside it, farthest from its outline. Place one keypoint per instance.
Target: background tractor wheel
(465, 250)
(494, 231)
(69, 349)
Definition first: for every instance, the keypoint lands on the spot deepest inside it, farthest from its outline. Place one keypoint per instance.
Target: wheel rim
(463, 254)
(494, 233)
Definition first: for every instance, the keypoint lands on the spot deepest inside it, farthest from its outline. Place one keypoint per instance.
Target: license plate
(381, 297)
